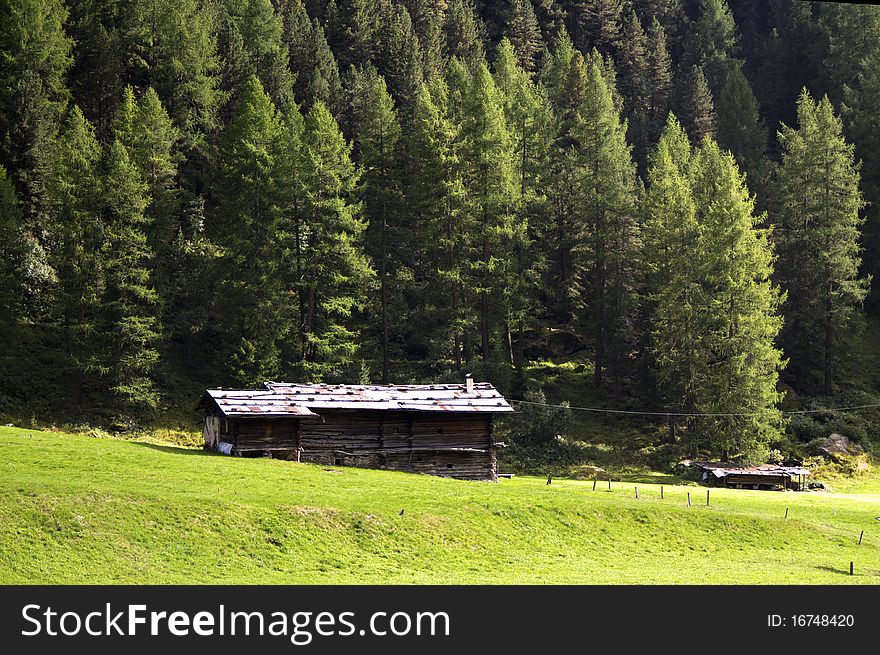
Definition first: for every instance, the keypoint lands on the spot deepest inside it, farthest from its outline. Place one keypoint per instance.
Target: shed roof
(722, 470)
(291, 399)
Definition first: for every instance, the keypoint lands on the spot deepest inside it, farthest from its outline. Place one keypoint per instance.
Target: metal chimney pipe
(469, 383)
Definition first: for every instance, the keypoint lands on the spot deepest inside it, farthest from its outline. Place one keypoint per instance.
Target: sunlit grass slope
(75, 509)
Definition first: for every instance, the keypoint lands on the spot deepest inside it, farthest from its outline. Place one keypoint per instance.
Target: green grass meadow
(77, 509)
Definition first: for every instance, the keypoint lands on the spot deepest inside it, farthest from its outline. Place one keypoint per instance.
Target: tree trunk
(829, 338)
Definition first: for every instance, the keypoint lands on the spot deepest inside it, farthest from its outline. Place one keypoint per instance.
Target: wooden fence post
(661, 492)
(860, 537)
(594, 484)
(850, 568)
(786, 512)
(689, 498)
(637, 493)
(707, 497)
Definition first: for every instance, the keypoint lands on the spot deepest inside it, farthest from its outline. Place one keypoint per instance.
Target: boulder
(837, 445)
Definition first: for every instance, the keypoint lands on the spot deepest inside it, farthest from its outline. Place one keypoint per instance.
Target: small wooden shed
(763, 476)
(439, 429)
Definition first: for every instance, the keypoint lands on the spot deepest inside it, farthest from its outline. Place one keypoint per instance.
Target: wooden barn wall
(402, 441)
(265, 433)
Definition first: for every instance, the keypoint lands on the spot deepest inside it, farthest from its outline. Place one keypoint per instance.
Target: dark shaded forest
(682, 193)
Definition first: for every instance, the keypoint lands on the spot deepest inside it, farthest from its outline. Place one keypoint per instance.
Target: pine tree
(696, 106)
(740, 322)
(659, 80)
(740, 128)
(185, 69)
(490, 187)
(399, 57)
(129, 300)
(78, 236)
(33, 94)
(439, 247)
(522, 31)
(335, 270)
(529, 121)
(566, 87)
(711, 41)
(151, 139)
(310, 58)
(352, 30)
(250, 43)
(378, 132)
(595, 24)
(247, 182)
(464, 33)
(819, 205)
(607, 242)
(634, 82)
(671, 237)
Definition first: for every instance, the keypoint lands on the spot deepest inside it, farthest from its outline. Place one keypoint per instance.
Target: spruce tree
(464, 32)
(595, 24)
(78, 235)
(247, 180)
(491, 190)
(435, 198)
(378, 133)
(399, 57)
(659, 79)
(740, 323)
(740, 128)
(671, 237)
(607, 242)
(696, 106)
(522, 31)
(33, 94)
(310, 58)
(335, 270)
(129, 300)
(819, 205)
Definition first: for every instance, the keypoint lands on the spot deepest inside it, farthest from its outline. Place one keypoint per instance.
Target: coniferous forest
(684, 194)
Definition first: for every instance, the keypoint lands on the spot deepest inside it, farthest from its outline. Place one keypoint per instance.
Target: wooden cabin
(439, 429)
(764, 476)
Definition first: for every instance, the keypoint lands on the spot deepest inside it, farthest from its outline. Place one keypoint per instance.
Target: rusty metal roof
(720, 469)
(290, 399)
(256, 402)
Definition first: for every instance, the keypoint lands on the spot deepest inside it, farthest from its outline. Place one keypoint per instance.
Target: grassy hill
(76, 509)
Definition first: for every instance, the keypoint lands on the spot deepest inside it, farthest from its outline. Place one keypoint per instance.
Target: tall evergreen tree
(490, 187)
(740, 322)
(378, 133)
(464, 32)
(659, 79)
(595, 24)
(522, 31)
(78, 234)
(33, 94)
(607, 240)
(335, 269)
(435, 198)
(671, 237)
(696, 106)
(740, 128)
(129, 301)
(819, 205)
(247, 191)
(310, 58)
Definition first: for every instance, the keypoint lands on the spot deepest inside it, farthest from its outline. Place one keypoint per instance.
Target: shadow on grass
(831, 569)
(177, 450)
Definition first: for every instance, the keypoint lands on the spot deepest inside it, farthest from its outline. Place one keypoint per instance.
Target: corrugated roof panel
(291, 399)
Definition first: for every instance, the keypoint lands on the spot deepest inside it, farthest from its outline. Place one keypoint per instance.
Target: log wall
(456, 445)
